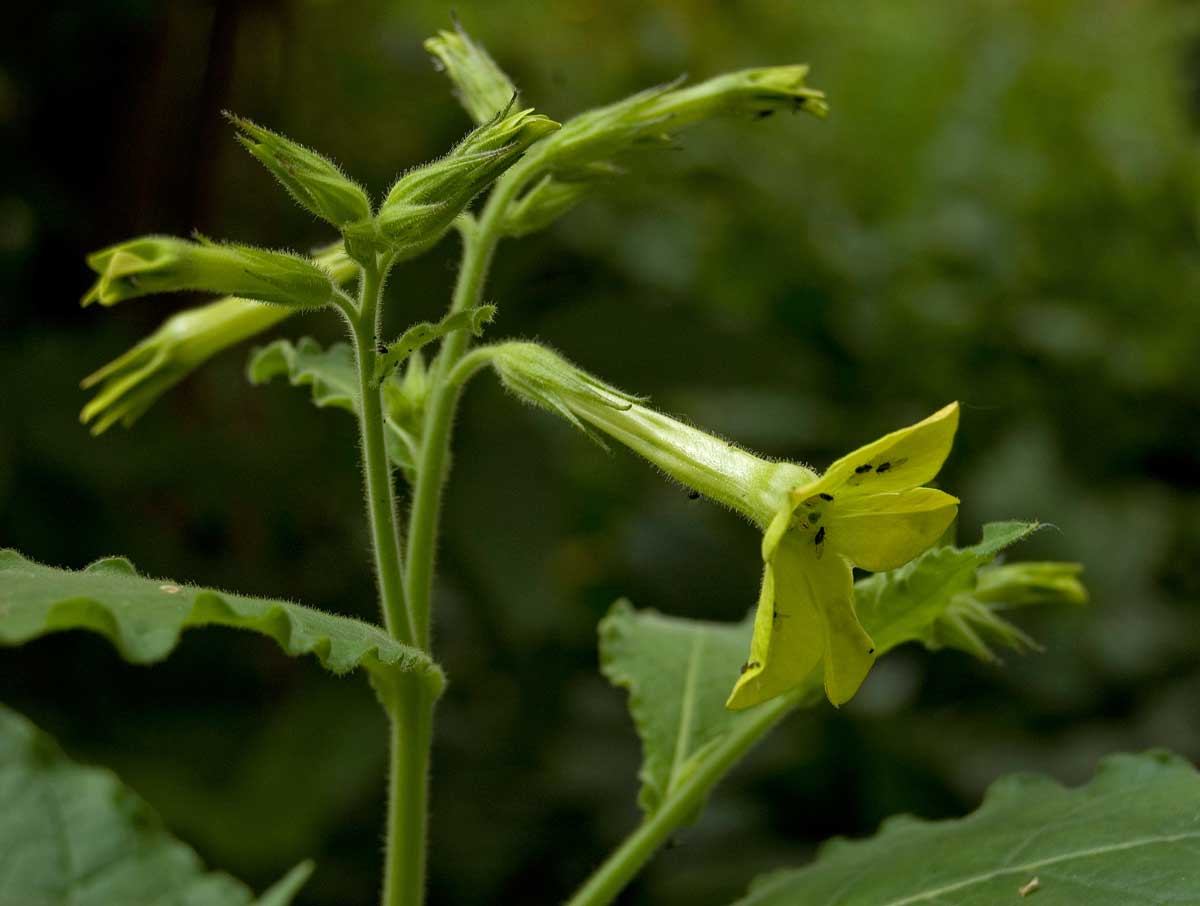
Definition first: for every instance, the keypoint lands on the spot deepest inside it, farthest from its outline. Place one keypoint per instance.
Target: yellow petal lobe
(885, 531)
(898, 461)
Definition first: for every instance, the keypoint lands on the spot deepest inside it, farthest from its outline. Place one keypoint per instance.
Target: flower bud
(754, 487)
(423, 203)
(159, 264)
(651, 117)
(548, 200)
(479, 84)
(1025, 584)
(316, 183)
(972, 622)
(130, 384)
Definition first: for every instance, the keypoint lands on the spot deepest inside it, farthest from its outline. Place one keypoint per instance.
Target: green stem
(479, 245)
(679, 807)
(410, 703)
(377, 471)
(411, 714)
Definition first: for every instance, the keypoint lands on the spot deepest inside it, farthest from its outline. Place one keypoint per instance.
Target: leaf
(144, 618)
(423, 332)
(679, 672)
(75, 835)
(1128, 837)
(924, 601)
(333, 377)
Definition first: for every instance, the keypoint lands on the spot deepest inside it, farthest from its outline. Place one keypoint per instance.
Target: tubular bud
(479, 84)
(315, 182)
(159, 264)
(423, 203)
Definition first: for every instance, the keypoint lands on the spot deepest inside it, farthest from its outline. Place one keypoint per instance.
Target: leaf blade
(1098, 843)
(70, 833)
(144, 618)
(649, 654)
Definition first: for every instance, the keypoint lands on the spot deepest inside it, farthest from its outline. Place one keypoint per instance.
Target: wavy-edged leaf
(1130, 837)
(678, 672)
(941, 600)
(333, 377)
(144, 618)
(71, 834)
(423, 332)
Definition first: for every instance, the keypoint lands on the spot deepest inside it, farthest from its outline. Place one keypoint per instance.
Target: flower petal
(896, 462)
(884, 531)
(783, 651)
(805, 620)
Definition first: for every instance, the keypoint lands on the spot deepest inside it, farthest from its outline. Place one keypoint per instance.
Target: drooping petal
(896, 462)
(884, 531)
(805, 620)
(784, 649)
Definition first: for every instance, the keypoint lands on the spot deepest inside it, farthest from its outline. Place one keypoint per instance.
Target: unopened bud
(651, 117)
(479, 84)
(548, 200)
(423, 203)
(159, 264)
(315, 182)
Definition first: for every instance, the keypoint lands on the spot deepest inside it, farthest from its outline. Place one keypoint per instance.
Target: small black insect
(863, 468)
(828, 497)
(750, 665)
(381, 349)
(693, 495)
(820, 536)
(883, 467)
(763, 114)
(870, 651)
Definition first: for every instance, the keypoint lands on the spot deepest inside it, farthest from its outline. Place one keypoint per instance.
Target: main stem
(678, 807)
(377, 472)
(411, 713)
(410, 701)
(479, 245)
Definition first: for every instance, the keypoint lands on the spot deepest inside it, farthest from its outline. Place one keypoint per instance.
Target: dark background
(1001, 209)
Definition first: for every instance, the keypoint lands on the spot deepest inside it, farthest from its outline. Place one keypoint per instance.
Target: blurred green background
(1002, 209)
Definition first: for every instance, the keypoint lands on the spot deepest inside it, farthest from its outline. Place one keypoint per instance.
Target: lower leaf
(1128, 837)
(75, 834)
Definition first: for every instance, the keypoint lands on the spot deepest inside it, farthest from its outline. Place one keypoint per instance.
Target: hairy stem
(410, 704)
(433, 464)
(411, 715)
(377, 471)
(678, 807)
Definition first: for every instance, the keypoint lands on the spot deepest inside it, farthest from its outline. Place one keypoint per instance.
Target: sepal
(315, 182)
(479, 84)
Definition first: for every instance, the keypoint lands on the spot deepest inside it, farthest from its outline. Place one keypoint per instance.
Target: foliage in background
(1030, 236)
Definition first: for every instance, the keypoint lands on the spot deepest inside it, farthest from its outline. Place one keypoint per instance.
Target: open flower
(869, 510)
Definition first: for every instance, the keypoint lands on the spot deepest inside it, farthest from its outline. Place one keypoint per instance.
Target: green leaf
(679, 672)
(144, 618)
(935, 599)
(472, 319)
(1129, 836)
(74, 835)
(333, 377)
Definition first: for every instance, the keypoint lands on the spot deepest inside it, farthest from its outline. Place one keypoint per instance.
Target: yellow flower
(869, 510)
